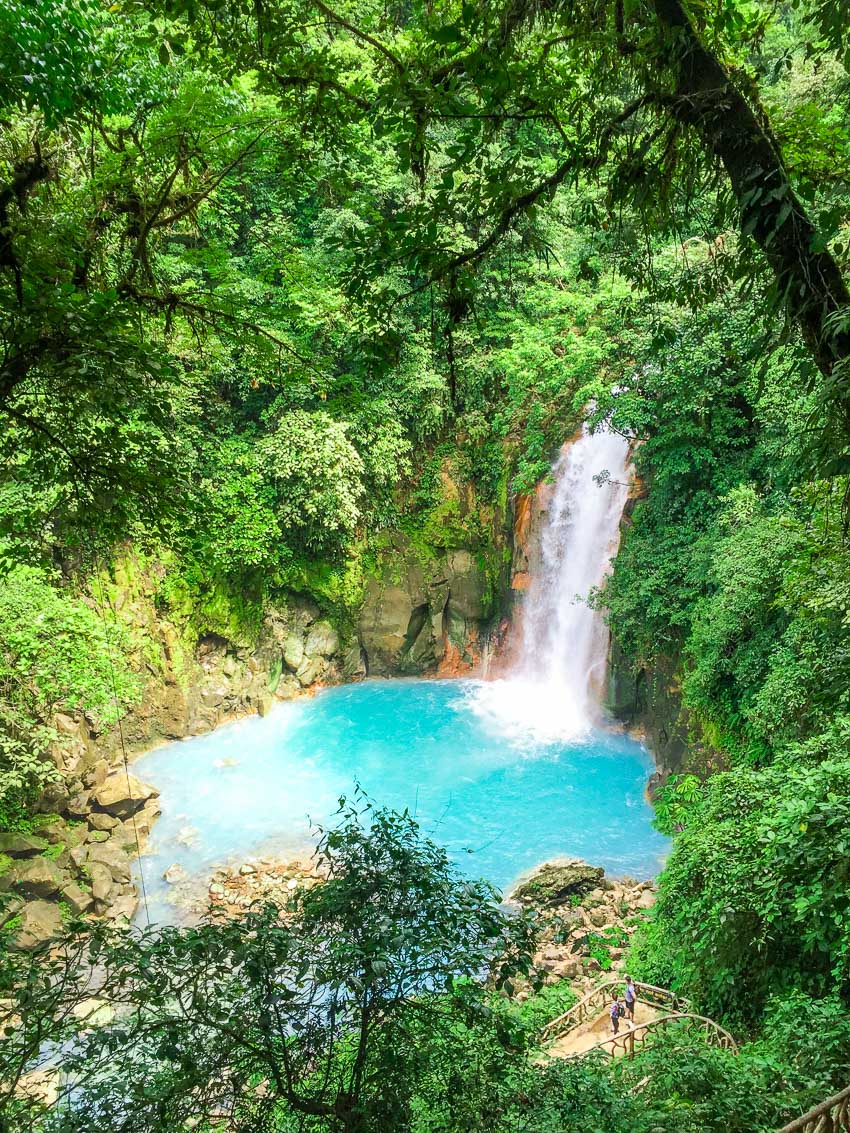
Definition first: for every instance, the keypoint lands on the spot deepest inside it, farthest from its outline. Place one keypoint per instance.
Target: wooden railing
(633, 1038)
(597, 1000)
(831, 1116)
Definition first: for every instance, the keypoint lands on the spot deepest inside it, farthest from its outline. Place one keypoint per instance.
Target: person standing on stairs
(615, 1012)
(631, 998)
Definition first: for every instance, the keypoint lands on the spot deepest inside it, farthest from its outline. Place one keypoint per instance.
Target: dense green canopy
(269, 272)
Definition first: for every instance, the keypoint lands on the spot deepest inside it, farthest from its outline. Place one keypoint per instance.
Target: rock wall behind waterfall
(426, 616)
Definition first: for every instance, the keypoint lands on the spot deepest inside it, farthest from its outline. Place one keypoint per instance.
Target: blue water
(498, 804)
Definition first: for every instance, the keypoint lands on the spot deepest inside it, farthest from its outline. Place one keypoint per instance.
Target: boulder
(322, 640)
(78, 900)
(22, 845)
(213, 697)
(420, 654)
(144, 820)
(174, 874)
(97, 774)
(309, 670)
(54, 799)
(293, 651)
(646, 899)
(124, 908)
(599, 916)
(101, 881)
(467, 584)
(79, 805)
(383, 624)
(556, 882)
(111, 855)
(98, 821)
(38, 877)
(41, 921)
(61, 831)
(66, 724)
(122, 795)
(354, 663)
(265, 703)
(567, 969)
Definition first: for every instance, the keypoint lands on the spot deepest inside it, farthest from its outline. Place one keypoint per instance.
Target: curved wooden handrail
(627, 1040)
(830, 1116)
(595, 1001)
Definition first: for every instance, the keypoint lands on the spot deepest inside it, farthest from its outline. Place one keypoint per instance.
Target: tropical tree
(327, 1014)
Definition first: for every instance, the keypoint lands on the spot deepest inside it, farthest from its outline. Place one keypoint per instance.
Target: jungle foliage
(267, 271)
(360, 1008)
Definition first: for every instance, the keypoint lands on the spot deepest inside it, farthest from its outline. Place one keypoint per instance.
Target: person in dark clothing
(615, 1014)
(631, 998)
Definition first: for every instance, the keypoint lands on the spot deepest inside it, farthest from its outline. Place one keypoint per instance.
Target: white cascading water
(551, 691)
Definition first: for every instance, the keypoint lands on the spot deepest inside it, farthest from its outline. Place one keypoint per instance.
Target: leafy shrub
(317, 476)
(56, 654)
(752, 897)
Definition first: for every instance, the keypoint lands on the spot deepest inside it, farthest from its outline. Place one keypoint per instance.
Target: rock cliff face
(420, 618)
(414, 619)
(648, 699)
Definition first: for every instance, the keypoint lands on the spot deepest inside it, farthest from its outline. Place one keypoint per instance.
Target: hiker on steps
(616, 1012)
(631, 998)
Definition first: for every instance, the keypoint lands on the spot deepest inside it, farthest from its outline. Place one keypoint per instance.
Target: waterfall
(553, 682)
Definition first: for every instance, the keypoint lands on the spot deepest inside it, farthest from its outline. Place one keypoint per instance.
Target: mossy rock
(556, 882)
(19, 845)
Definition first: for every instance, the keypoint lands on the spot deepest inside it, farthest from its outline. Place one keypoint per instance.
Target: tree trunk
(808, 282)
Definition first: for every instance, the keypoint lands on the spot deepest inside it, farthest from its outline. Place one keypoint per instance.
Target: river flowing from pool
(499, 804)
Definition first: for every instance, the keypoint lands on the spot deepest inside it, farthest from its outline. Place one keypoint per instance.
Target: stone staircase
(586, 1026)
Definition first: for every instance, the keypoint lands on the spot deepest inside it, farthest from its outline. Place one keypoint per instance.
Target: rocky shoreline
(77, 859)
(233, 888)
(588, 919)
